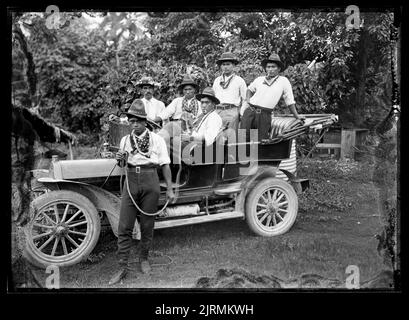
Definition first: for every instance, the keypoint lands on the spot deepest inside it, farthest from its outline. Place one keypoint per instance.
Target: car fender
(246, 186)
(102, 199)
(299, 185)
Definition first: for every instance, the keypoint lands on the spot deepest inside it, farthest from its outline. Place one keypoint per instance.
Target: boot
(145, 266)
(120, 274)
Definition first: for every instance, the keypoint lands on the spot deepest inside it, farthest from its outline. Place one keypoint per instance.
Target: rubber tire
(31, 254)
(253, 198)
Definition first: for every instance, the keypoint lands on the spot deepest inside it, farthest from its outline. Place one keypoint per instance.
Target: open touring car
(66, 222)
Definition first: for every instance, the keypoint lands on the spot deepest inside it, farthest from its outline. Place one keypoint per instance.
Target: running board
(198, 219)
(230, 189)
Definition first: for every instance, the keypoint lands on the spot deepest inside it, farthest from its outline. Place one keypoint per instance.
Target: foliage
(86, 73)
(69, 69)
(186, 37)
(307, 89)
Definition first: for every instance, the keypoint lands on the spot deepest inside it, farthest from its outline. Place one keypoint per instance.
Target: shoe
(145, 266)
(118, 276)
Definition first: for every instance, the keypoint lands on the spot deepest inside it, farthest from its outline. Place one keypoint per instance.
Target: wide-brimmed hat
(227, 56)
(145, 81)
(274, 57)
(187, 80)
(208, 93)
(137, 109)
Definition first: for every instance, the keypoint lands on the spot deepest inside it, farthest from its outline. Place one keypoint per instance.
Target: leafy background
(87, 67)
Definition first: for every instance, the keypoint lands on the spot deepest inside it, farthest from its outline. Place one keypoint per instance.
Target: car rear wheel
(63, 231)
(271, 207)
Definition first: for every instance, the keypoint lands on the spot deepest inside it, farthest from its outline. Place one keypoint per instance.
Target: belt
(259, 109)
(225, 106)
(139, 169)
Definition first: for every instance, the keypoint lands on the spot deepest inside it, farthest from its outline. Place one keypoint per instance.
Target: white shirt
(174, 109)
(159, 152)
(208, 128)
(235, 93)
(268, 96)
(153, 107)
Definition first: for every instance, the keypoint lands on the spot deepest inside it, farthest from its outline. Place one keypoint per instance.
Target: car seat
(282, 124)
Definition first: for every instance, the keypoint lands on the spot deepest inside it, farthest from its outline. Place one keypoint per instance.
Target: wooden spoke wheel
(271, 207)
(63, 231)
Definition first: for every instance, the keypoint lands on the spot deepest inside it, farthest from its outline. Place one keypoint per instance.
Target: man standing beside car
(141, 152)
(262, 96)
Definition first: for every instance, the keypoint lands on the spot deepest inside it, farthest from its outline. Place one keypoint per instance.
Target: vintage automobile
(225, 180)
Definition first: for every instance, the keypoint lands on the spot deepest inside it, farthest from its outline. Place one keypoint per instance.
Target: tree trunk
(359, 108)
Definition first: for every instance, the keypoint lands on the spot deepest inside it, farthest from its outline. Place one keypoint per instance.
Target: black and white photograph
(205, 150)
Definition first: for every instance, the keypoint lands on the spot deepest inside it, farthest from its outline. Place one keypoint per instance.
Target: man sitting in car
(184, 108)
(205, 129)
(182, 111)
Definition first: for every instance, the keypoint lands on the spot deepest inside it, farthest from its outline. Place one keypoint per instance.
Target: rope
(70, 149)
(109, 176)
(137, 207)
(133, 201)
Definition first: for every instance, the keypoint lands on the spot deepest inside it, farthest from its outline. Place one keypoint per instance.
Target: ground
(333, 230)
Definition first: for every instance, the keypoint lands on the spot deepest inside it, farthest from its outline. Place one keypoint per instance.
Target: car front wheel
(271, 207)
(63, 231)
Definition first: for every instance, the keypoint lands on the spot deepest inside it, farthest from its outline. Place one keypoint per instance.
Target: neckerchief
(141, 144)
(225, 83)
(270, 84)
(199, 120)
(190, 106)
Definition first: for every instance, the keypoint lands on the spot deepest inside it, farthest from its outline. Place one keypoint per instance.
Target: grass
(327, 237)
(313, 246)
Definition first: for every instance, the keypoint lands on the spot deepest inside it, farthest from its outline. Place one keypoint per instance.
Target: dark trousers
(256, 118)
(145, 190)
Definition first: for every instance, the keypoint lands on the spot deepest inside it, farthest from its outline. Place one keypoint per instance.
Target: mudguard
(246, 185)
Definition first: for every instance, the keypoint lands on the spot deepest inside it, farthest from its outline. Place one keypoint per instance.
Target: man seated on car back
(205, 129)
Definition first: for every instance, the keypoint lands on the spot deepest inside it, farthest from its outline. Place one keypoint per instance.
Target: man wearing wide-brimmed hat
(208, 125)
(230, 89)
(183, 110)
(262, 96)
(205, 127)
(141, 152)
(153, 107)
